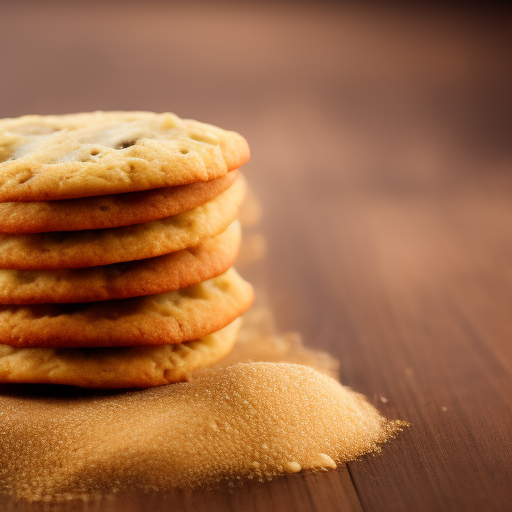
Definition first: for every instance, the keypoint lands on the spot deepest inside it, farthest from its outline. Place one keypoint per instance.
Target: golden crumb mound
(181, 315)
(109, 211)
(121, 280)
(76, 249)
(255, 420)
(92, 154)
(117, 367)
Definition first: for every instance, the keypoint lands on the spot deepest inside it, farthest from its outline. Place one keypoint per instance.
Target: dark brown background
(382, 155)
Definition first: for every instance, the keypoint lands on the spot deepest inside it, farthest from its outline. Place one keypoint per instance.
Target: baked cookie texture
(92, 154)
(109, 211)
(121, 280)
(174, 317)
(76, 249)
(118, 234)
(118, 367)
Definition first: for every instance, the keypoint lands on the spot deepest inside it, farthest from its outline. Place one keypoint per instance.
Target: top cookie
(100, 153)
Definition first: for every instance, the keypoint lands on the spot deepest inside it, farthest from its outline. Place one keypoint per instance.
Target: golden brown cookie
(174, 317)
(121, 280)
(109, 211)
(118, 367)
(92, 154)
(77, 249)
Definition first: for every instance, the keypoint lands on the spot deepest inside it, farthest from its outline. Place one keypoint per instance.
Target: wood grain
(381, 154)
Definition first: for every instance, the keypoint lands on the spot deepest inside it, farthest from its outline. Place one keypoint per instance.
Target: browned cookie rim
(111, 211)
(96, 247)
(173, 317)
(123, 280)
(116, 367)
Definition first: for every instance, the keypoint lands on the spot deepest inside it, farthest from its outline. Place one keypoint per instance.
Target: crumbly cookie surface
(109, 211)
(174, 317)
(77, 249)
(121, 280)
(118, 367)
(99, 153)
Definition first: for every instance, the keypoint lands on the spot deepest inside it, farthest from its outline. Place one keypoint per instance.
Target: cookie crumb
(292, 467)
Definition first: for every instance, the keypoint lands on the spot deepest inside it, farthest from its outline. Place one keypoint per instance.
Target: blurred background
(381, 152)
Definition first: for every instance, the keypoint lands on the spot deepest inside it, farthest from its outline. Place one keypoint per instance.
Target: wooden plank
(454, 389)
(330, 492)
(413, 297)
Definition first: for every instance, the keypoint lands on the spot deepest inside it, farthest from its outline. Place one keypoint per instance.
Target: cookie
(109, 211)
(118, 367)
(121, 280)
(93, 154)
(174, 317)
(77, 249)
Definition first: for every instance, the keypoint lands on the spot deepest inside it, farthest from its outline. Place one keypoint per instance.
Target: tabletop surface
(381, 154)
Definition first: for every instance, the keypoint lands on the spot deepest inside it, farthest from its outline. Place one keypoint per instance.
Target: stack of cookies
(118, 231)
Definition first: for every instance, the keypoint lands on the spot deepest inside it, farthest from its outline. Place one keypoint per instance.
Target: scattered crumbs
(292, 467)
(325, 462)
(444, 408)
(383, 399)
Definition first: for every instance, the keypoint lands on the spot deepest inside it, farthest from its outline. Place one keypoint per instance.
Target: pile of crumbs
(249, 420)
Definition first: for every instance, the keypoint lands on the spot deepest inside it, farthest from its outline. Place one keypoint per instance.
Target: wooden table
(382, 156)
